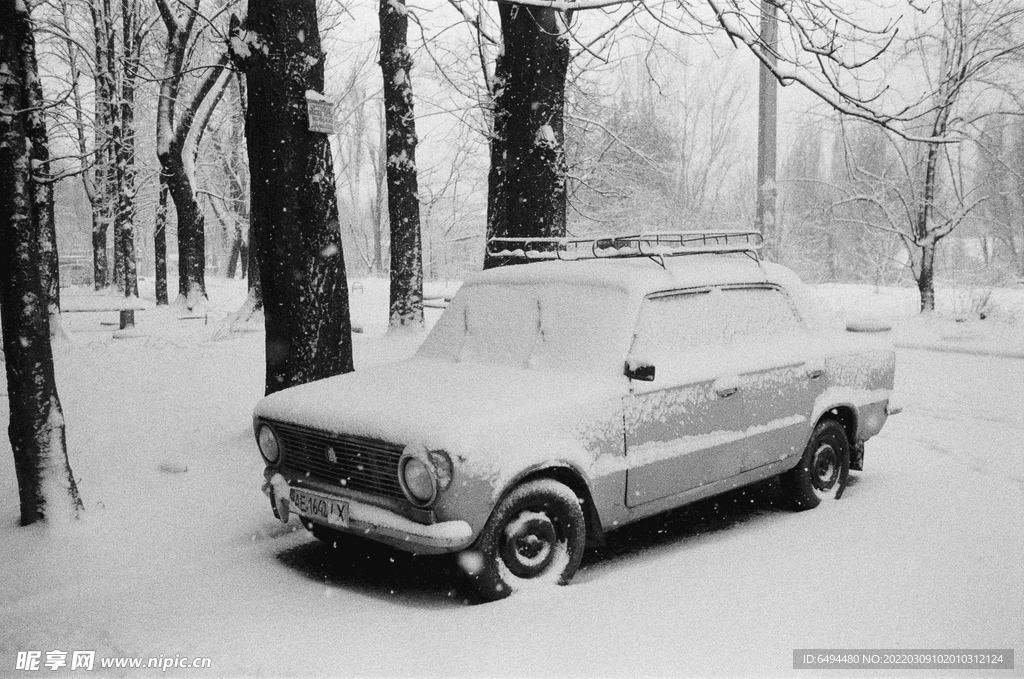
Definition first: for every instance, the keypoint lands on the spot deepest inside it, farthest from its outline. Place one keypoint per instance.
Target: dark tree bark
(294, 209)
(160, 243)
(46, 487)
(126, 269)
(526, 184)
(926, 277)
(103, 196)
(926, 236)
(172, 147)
(403, 193)
(237, 173)
(42, 189)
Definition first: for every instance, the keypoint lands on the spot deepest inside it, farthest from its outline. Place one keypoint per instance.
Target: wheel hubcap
(529, 545)
(824, 468)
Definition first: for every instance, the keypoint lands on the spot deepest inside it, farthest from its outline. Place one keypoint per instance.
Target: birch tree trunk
(293, 205)
(46, 487)
(403, 193)
(526, 184)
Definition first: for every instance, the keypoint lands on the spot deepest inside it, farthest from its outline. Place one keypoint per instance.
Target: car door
(779, 378)
(684, 427)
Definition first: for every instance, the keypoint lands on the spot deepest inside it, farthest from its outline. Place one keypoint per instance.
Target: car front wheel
(536, 535)
(823, 470)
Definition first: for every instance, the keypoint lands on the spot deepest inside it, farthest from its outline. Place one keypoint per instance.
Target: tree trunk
(235, 255)
(46, 487)
(174, 149)
(105, 173)
(160, 243)
(124, 148)
(765, 218)
(926, 277)
(42, 188)
(294, 210)
(191, 232)
(377, 212)
(403, 192)
(526, 184)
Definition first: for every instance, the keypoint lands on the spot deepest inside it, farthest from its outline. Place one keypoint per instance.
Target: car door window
(670, 322)
(756, 312)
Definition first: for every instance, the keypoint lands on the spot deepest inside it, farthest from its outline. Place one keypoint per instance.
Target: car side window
(669, 323)
(711, 318)
(753, 312)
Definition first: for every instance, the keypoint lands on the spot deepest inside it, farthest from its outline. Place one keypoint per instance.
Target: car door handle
(726, 392)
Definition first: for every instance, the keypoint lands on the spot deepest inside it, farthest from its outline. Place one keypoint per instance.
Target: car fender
(572, 476)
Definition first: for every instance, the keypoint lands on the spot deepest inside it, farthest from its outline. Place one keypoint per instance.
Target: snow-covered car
(556, 401)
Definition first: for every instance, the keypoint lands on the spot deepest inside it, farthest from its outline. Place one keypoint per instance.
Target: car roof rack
(655, 245)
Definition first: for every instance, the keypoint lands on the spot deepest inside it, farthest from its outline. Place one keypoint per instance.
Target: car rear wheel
(536, 535)
(823, 470)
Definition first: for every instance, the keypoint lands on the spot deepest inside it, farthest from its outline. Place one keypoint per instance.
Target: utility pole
(767, 115)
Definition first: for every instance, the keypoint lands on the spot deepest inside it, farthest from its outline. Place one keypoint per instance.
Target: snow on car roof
(639, 276)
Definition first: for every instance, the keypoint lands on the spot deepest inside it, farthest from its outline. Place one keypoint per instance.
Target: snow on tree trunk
(293, 205)
(765, 218)
(191, 232)
(175, 150)
(926, 236)
(526, 185)
(105, 173)
(926, 277)
(42, 187)
(46, 487)
(403, 192)
(160, 243)
(124, 221)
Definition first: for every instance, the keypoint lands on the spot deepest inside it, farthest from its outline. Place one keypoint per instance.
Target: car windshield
(550, 326)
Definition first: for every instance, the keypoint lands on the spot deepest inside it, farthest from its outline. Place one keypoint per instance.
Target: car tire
(536, 535)
(823, 470)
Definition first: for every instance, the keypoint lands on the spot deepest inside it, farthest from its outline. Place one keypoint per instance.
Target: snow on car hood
(490, 419)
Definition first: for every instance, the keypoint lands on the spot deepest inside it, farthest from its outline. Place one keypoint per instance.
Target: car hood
(493, 417)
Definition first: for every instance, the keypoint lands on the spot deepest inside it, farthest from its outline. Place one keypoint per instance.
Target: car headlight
(418, 480)
(269, 448)
(442, 468)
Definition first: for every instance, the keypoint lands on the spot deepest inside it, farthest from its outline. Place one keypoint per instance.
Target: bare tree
(123, 138)
(406, 308)
(295, 228)
(961, 50)
(46, 486)
(1001, 182)
(526, 184)
(42, 190)
(177, 138)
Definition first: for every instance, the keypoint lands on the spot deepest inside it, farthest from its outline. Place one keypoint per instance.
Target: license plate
(315, 506)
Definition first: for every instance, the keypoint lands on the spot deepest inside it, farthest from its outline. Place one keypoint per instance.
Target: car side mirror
(639, 371)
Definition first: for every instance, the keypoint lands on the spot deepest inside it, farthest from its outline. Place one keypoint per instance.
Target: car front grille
(363, 464)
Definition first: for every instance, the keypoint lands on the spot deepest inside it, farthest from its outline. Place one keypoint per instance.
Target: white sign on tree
(321, 112)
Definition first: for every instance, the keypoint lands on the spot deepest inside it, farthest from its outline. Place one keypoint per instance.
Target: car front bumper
(377, 523)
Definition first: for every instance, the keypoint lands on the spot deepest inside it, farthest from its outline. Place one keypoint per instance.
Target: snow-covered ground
(179, 556)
